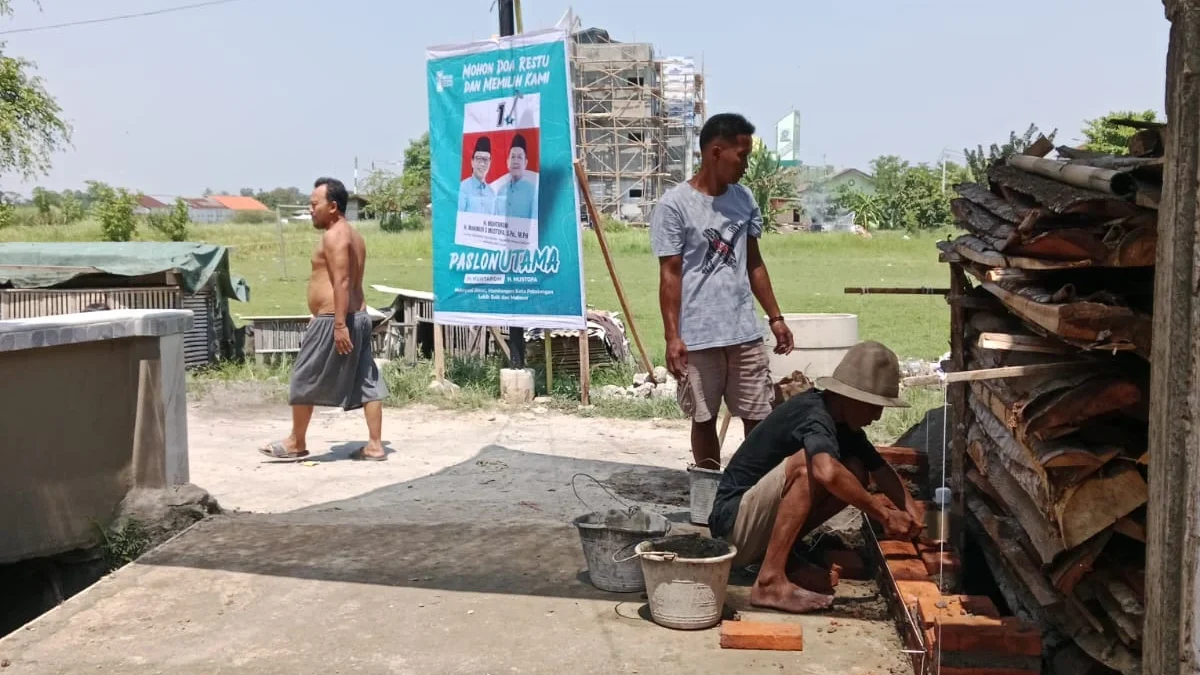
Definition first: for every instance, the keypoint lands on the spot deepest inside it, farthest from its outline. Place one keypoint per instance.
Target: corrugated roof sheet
(148, 202)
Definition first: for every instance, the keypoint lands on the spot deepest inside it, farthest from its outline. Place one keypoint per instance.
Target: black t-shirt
(802, 422)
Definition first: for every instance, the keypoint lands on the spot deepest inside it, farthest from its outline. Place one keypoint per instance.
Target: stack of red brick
(963, 634)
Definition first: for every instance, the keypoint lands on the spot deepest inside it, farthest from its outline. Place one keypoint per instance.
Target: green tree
(7, 212)
(978, 161)
(768, 180)
(281, 196)
(173, 225)
(114, 209)
(31, 125)
(384, 191)
(70, 208)
(1106, 136)
(867, 208)
(44, 201)
(416, 189)
(907, 197)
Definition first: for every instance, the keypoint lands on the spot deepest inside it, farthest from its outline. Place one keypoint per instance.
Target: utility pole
(516, 335)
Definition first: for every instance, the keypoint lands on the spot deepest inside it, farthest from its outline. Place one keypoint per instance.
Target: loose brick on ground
(763, 635)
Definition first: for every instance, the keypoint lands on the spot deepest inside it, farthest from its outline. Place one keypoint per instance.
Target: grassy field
(808, 271)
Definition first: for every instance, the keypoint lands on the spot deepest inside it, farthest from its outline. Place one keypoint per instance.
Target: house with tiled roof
(236, 204)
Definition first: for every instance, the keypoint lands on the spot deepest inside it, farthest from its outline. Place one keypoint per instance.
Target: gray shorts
(322, 377)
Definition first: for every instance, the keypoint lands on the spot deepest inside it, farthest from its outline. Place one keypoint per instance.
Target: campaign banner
(507, 249)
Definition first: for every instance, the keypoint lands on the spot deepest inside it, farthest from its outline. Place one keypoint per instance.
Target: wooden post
(594, 216)
(957, 397)
(439, 353)
(549, 361)
(585, 369)
(1171, 642)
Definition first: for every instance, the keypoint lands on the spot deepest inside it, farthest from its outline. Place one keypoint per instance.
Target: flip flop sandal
(360, 455)
(277, 450)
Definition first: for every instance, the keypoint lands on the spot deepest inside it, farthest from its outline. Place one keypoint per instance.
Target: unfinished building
(637, 122)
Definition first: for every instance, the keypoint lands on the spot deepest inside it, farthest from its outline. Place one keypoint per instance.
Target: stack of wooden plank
(1061, 252)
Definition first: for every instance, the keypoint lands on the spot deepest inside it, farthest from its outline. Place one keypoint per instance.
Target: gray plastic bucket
(608, 539)
(686, 579)
(703, 488)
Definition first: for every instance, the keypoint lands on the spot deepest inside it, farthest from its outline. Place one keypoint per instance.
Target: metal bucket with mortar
(703, 491)
(608, 539)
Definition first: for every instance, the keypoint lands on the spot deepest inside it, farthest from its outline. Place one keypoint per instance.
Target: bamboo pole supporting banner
(550, 361)
(594, 216)
(585, 369)
(439, 353)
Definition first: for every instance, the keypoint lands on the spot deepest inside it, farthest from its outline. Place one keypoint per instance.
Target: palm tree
(768, 180)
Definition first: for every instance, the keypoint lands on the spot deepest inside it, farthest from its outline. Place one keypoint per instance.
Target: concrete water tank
(821, 340)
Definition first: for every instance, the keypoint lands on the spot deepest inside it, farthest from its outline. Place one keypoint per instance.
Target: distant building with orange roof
(239, 203)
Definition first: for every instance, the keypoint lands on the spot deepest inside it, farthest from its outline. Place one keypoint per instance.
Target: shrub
(401, 222)
(254, 217)
(114, 209)
(611, 224)
(173, 225)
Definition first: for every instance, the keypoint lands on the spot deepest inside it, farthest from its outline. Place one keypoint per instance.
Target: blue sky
(263, 93)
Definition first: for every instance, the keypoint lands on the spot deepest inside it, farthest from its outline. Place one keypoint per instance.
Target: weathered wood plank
(1171, 644)
(996, 232)
(981, 196)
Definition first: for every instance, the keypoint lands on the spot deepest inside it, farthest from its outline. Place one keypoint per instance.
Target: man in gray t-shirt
(705, 233)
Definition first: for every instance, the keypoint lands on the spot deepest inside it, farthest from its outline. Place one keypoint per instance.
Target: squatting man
(801, 466)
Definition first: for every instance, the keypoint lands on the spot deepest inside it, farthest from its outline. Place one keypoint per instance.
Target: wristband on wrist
(774, 319)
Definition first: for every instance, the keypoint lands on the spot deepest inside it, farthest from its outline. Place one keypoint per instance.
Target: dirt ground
(455, 556)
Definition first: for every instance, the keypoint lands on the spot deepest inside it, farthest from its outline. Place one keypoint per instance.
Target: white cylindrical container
(821, 340)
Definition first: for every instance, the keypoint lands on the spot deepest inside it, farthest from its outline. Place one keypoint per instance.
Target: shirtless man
(335, 366)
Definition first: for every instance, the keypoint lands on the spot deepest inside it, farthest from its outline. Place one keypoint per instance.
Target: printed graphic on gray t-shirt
(717, 307)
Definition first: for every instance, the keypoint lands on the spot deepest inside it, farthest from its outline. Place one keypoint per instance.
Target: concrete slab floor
(455, 559)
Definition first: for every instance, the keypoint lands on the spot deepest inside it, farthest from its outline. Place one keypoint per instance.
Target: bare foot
(811, 577)
(788, 597)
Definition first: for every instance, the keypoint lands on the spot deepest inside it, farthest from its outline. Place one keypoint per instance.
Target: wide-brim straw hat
(869, 372)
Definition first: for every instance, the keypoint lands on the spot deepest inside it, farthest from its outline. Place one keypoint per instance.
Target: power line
(107, 19)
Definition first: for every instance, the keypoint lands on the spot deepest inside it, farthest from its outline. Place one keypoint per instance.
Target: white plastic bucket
(703, 491)
(686, 593)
